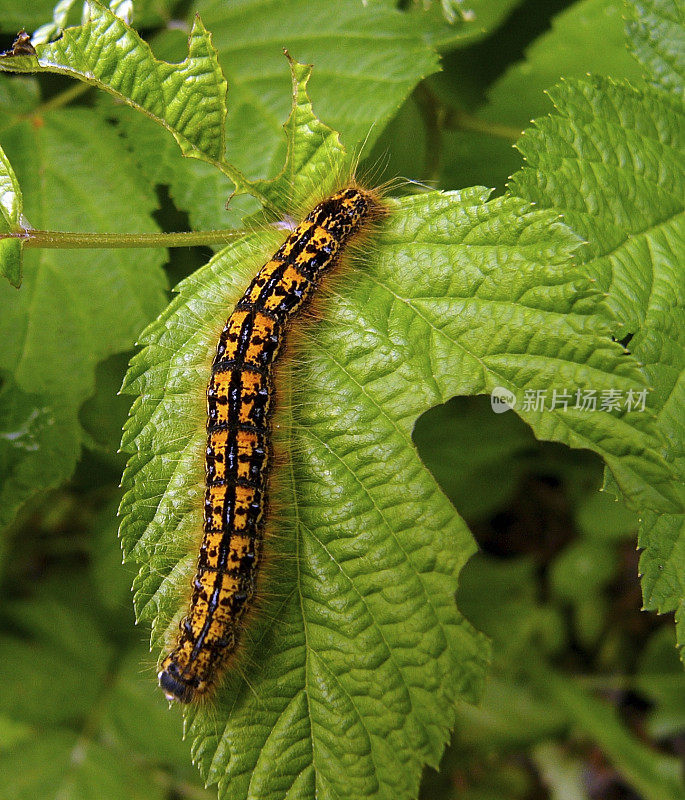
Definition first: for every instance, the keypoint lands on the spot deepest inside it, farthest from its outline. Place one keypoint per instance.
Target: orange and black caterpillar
(240, 400)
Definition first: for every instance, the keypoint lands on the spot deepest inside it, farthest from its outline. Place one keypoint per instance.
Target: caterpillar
(240, 405)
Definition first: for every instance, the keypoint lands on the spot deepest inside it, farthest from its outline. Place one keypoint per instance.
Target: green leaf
(111, 579)
(14, 15)
(653, 775)
(81, 699)
(612, 162)
(582, 569)
(315, 161)
(510, 612)
(195, 186)
(367, 60)
(11, 205)
(477, 457)
(103, 415)
(660, 678)
(10, 260)
(10, 196)
(509, 716)
(27, 434)
(453, 10)
(74, 308)
(662, 566)
(58, 763)
(52, 656)
(478, 19)
(586, 37)
(107, 53)
(351, 90)
(602, 516)
(656, 35)
(14, 18)
(66, 13)
(307, 655)
(139, 723)
(79, 717)
(565, 775)
(406, 331)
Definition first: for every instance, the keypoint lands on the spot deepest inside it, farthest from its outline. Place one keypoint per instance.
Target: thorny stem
(63, 240)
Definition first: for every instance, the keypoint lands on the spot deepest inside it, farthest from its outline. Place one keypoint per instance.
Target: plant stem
(434, 118)
(461, 120)
(61, 99)
(64, 240)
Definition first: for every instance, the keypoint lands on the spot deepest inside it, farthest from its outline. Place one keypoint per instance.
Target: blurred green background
(555, 583)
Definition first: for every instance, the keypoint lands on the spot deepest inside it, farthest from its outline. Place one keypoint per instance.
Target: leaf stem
(434, 118)
(437, 117)
(462, 120)
(61, 99)
(64, 240)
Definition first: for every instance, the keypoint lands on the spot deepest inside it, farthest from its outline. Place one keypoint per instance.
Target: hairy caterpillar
(240, 401)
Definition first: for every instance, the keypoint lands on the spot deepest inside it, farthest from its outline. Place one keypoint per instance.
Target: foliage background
(554, 584)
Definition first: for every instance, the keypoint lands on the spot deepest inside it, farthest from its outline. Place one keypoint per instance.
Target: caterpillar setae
(240, 403)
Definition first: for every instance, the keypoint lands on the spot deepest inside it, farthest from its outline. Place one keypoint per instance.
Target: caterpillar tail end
(174, 687)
